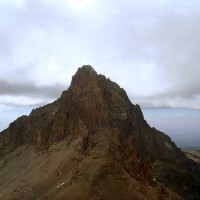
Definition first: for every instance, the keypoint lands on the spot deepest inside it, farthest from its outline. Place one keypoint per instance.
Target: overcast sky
(151, 48)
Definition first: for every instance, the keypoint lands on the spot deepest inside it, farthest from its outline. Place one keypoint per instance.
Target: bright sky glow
(80, 5)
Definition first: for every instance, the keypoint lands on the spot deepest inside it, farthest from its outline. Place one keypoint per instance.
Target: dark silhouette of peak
(97, 111)
(84, 72)
(83, 77)
(86, 68)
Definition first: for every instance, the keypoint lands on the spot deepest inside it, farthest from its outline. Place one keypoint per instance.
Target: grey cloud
(153, 105)
(116, 35)
(37, 25)
(170, 40)
(166, 101)
(28, 106)
(30, 89)
(189, 91)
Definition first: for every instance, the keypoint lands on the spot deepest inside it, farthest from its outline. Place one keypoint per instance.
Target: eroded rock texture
(92, 107)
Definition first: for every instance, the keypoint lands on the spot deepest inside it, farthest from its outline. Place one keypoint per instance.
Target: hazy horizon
(182, 125)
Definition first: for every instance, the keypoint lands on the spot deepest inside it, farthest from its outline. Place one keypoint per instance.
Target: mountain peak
(96, 119)
(87, 67)
(84, 76)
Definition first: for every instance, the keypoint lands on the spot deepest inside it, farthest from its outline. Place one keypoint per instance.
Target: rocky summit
(92, 143)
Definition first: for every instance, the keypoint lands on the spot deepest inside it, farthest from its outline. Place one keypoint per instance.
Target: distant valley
(182, 125)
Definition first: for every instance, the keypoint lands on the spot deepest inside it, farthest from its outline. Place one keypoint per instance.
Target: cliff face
(94, 106)
(91, 102)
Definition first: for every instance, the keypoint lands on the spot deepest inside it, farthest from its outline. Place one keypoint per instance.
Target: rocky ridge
(91, 102)
(95, 107)
(192, 153)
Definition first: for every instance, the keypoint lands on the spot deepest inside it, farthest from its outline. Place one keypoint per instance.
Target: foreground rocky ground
(105, 168)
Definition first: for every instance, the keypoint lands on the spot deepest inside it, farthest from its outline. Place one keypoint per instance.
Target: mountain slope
(91, 102)
(107, 169)
(93, 108)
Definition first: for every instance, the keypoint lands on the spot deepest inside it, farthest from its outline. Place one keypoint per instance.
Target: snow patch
(59, 186)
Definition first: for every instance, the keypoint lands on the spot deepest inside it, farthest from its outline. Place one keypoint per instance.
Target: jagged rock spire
(92, 102)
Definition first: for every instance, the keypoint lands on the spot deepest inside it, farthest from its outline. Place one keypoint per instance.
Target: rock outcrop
(91, 105)
(91, 102)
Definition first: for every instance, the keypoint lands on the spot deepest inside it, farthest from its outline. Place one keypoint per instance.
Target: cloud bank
(151, 48)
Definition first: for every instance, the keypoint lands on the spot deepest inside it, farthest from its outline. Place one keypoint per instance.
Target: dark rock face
(184, 182)
(92, 102)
